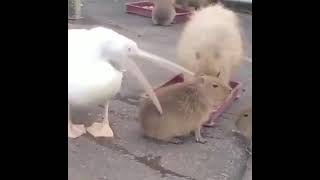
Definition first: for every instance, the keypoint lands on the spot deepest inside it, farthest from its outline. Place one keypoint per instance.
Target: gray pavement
(129, 155)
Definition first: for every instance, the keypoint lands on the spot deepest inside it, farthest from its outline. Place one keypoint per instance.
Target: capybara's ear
(218, 74)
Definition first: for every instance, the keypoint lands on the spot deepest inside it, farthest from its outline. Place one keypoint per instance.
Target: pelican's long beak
(167, 64)
(133, 68)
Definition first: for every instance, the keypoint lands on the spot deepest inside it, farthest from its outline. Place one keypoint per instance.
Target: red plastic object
(235, 94)
(139, 9)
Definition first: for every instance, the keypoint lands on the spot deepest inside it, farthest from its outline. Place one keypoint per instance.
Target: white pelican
(91, 77)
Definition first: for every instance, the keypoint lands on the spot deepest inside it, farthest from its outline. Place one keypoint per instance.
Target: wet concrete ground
(129, 155)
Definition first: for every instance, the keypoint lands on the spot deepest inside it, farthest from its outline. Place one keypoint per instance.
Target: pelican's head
(122, 50)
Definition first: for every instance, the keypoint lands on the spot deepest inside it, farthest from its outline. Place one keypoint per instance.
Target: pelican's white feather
(91, 79)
